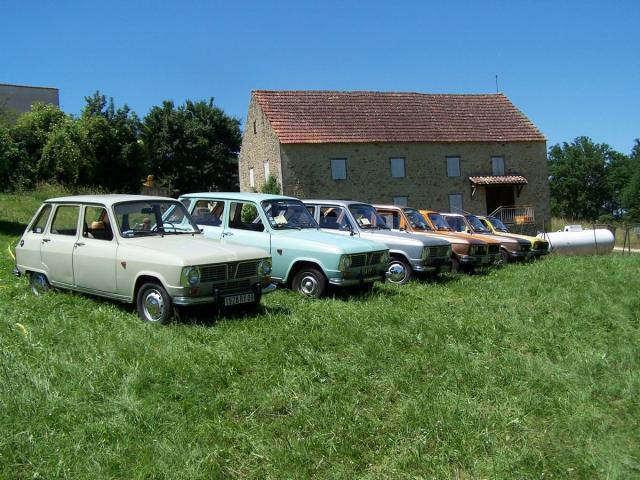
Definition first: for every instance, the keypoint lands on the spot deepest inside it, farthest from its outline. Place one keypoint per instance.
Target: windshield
(498, 225)
(416, 220)
(153, 217)
(288, 213)
(367, 217)
(439, 222)
(457, 223)
(476, 224)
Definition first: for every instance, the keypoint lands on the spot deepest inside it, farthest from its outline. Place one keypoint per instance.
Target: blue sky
(572, 67)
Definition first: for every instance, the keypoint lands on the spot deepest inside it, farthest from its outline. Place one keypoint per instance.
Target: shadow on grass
(11, 228)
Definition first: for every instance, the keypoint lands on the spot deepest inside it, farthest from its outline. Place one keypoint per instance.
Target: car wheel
(310, 282)
(505, 256)
(153, 303)
(399, 272)
(39, 284)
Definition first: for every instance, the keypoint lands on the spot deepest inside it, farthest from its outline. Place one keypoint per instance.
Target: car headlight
(425, 253)
(264, 267)
(190, 276)
(345, 263)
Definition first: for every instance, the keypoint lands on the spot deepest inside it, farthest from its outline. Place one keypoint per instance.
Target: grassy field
(531, 371)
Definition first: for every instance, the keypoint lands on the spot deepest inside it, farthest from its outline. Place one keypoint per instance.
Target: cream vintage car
(140, 249)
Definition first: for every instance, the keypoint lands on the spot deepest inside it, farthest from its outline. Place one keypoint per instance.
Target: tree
(271, 186)
(192, 147)
(631, 192)
(67, 157)
(114, 136)
(31, 133)
(11, 157)
(578, 183)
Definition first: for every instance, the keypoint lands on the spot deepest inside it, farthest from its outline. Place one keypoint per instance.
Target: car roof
(106, 200)
(252, 196)
(334, 202)
(452, 214)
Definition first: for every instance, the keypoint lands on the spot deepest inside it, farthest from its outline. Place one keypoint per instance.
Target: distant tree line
(591, 181)
(192, 147)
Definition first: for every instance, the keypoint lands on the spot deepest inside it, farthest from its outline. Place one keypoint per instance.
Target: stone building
(444, 152)
(17, 99)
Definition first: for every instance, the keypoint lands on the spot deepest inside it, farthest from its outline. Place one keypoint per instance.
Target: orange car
(439, 224)
(467, 252)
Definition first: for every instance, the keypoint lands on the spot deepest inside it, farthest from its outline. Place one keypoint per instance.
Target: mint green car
(304, 257)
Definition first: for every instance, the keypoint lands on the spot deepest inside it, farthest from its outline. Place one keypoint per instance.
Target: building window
(455, 202)
(252, 180)
(339, 168)
(401, 201)
(266, 170)
(453, 166)
(397, 167)
(255, 130)
(497, 165)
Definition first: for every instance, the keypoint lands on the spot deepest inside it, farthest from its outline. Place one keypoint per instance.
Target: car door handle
(46, 240)
(79, 244)
(227, 234)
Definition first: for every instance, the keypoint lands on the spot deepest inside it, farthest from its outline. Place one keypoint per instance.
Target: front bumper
(349, 279)
(217, 295)
(475, 260)
(520, 255)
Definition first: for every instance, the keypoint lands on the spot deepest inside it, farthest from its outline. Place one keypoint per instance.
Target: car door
(243, 225)
(56, 250)
(28, 252)
(95, 252)
(209, 216)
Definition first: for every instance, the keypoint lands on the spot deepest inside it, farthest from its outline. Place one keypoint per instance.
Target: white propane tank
(576, 241)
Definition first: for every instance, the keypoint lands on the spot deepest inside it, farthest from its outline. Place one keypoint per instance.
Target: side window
(392, 219)
(208, 212)
(244, 216)
(312, 210)
(41, 221)
(96, 224)
(65, 220)
(186, 202)
(334, 218)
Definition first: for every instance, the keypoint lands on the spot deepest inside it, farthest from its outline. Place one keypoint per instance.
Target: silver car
(409, 253)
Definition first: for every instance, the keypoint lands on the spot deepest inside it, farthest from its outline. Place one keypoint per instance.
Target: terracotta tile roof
(337, 117)
(499, 180)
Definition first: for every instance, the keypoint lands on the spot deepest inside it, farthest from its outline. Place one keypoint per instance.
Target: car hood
(195, 250)
(320, 240)
(389, 236)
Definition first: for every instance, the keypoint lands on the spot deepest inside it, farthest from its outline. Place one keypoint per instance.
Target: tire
(39, 284)
(153, 303)
(505, 256)
(310, 282)
(407, 269)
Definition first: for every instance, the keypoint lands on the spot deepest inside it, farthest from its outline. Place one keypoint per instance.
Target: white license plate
(238, 299)
(367, 272)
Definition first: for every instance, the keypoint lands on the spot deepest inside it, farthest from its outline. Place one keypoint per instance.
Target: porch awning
(498, 180)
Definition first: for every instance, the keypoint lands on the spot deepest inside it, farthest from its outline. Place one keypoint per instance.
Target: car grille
(364, 259)
(243, 284)
(525, 248)
(494, 248)
(228, 271)
(479, 250)
(441, 251)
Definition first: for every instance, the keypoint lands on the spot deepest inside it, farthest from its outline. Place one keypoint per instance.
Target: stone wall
(426, 184)
(256, 148)
(18, 99)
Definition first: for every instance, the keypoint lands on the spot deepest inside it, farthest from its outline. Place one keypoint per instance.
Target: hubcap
(153, 305)
(397, 272)
(309, 285)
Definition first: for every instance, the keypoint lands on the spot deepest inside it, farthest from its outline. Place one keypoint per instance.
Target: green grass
(531, 371)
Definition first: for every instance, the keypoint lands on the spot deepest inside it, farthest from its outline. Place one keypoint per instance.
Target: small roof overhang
(490, 180)
(499, 180)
